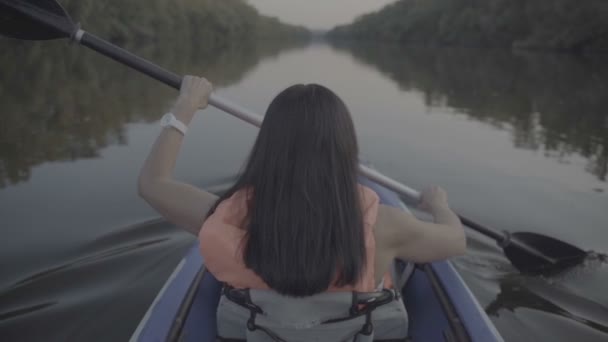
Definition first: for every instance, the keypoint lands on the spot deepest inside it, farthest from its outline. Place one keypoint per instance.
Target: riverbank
(557, 25)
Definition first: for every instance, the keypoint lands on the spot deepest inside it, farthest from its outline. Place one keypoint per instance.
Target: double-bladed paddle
(46, 19)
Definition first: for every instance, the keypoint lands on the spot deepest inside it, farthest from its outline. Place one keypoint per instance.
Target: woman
(296, 221)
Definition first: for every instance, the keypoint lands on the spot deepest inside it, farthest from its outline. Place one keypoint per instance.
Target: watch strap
(169, 120)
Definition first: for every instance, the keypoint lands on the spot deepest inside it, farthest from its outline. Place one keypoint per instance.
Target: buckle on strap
(364, 302)
(241, 297)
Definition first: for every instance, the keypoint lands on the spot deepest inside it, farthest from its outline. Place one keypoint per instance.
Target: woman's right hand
(433, 198)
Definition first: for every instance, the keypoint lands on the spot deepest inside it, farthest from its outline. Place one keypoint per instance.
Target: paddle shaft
(173, 80)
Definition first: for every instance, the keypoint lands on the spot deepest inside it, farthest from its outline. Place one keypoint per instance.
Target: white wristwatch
(170, 120)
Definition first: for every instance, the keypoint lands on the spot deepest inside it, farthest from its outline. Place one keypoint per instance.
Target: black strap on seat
(242, 297)
(364, 303)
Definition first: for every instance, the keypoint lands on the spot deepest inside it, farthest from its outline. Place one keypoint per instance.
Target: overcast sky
(317, 14)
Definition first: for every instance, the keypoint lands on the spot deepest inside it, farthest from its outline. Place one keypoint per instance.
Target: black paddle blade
(34, 20)
(563, 254)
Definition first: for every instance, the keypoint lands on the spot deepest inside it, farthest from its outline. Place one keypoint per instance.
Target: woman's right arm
(180, 203)
(419, 241)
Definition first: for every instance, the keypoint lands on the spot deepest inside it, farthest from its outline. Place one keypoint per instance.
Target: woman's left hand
(194, 95)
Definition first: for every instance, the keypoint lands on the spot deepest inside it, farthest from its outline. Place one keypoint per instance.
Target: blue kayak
(439, 304)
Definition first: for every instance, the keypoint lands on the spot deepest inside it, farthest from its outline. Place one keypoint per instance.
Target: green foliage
(209, 22)
(266, 28)
(536, 24)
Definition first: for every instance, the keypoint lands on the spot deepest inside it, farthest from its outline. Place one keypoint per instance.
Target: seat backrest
(266, 316)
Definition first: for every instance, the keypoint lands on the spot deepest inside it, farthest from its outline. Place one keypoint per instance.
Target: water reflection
(553, 103)
(62, 103)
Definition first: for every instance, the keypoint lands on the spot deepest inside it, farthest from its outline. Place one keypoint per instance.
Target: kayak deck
(440, 305)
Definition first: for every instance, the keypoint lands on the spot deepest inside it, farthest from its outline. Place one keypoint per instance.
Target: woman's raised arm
(180, 203)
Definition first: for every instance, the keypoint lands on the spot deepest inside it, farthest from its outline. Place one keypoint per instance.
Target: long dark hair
(305, 224)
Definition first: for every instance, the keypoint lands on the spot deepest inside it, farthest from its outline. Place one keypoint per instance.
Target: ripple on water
(118, 277)
(566, 307)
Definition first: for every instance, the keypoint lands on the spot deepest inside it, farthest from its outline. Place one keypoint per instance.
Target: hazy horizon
(315, 14)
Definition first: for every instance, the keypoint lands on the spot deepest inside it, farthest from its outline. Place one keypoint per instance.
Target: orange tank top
(221, 241)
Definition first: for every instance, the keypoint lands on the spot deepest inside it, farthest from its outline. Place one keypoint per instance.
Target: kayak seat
(266, 316)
